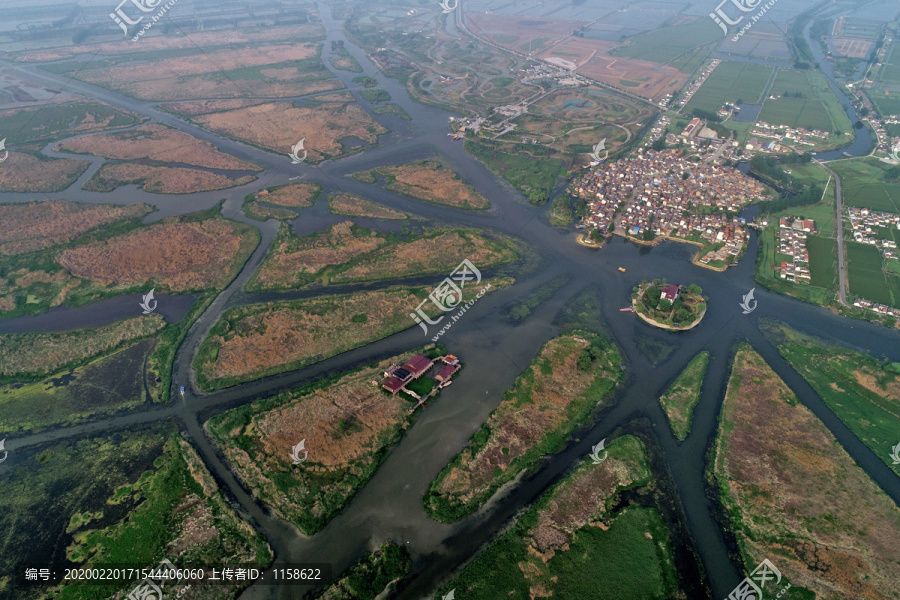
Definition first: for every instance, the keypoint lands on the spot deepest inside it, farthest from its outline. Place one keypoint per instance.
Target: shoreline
(656, 323)
(662, 238)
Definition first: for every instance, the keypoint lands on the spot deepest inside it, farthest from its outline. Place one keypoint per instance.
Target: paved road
(839, 233)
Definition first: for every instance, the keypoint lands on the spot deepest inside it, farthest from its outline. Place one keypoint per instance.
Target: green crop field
(805, 101)
(865, 274)
(730, 82)
(890, 71)
(864, 185)
(668, 43)
(822, 268)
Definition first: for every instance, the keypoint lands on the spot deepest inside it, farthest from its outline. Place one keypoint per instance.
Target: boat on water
(847, 154)
(626, 309)
(622, 269)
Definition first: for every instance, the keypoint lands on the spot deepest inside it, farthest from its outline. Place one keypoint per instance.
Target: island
(669, 305)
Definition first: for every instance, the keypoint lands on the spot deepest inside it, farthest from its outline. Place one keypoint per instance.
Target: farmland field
(822, 263)
(730, 82)
(866, 278)
(865, 187)
(805, 101)
(662, 45)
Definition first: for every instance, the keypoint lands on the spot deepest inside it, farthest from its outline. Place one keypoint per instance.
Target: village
(662, 194)
(863, 221)
(792, 241)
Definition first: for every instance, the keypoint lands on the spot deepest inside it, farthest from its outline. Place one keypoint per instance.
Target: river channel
(495, 352)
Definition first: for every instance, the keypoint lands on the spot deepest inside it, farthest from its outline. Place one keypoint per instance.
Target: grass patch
(683, 395)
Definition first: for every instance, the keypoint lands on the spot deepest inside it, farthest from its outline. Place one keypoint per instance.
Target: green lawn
(864, 185)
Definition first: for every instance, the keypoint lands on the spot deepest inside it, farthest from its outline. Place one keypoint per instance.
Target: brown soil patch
(179, 255)
(351, 206)
(160, 180)
(803, 502)
(292, 195)
(278, 126)
(46, 223)
(430, 181)
(159, 143)
(27, 173)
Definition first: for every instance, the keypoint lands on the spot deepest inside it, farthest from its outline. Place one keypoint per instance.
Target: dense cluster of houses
(879, 308)
(863, 221)
(663, 193)
(792, 234)
(797, 135)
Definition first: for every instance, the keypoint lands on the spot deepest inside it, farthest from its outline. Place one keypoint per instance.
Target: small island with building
(410, 379)
(669, 305)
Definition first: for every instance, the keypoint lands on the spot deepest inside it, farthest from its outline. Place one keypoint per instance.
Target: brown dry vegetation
(39, 354)
(236, 37)
(202, 107)
(581, 498)
(278, 126)
(344, 423)
(160, 180)
(430, 254)
(26, 173)
(534, 409)
(198, 76)
(351, 206)
(41, 224)
(257, 340)
(159, 143)
(799, 498)
(335, 97)
(292, 195)
(292, 260)
(179, 255)
(430, 181)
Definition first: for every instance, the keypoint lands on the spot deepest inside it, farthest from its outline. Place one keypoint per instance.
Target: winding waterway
(494, 350)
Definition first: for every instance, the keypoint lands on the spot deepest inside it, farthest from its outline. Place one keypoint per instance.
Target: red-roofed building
(670, 292)
(393, 385)
(446, 373)
(418, 365)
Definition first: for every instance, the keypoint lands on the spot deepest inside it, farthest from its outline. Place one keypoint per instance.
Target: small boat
(847, 154)
(626, 309)
(622, 269)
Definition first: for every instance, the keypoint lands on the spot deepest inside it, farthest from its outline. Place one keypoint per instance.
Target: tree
(648, 235)
(584, 360)
(653, 293)
(612, 226)
(682, 315)
(665, 304)
(596, 236)
(695, 289)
